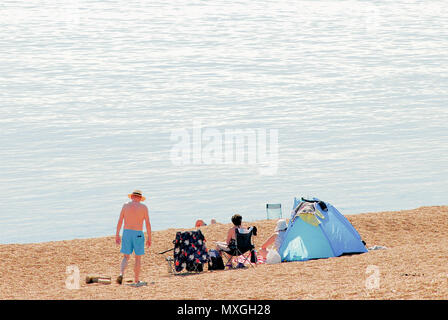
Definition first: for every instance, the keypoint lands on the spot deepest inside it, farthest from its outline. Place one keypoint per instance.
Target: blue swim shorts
(133, 241)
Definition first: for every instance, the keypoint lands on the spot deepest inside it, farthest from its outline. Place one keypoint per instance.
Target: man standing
(133, 213)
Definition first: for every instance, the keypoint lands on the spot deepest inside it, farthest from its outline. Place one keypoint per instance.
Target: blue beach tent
(318, 230)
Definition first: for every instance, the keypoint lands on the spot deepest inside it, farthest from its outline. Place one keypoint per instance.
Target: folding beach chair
(243, 246)
(190, 252)
(274, 211)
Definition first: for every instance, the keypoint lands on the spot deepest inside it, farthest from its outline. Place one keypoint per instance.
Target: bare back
(134, 214)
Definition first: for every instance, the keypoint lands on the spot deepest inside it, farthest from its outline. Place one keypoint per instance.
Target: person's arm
(269, 241)
(119, 224)
(148, 228)
(230, 235)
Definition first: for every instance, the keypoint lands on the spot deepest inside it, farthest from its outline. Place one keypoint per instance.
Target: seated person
(231, 237)
(229, 246)
(275, 239)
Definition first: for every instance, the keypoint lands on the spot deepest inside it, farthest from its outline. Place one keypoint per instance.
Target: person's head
(136, 195)
(237, 219)
(281, 225)
(200, 223)
(136, 198)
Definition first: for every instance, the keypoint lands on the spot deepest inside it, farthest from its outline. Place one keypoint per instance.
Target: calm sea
(92, 94)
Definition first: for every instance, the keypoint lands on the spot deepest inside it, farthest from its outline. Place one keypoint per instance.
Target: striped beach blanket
(260, 260)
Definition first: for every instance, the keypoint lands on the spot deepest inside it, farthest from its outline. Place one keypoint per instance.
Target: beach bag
(215, 262)
(273, 257)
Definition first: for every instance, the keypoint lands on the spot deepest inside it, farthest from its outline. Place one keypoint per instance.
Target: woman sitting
(275, 239)
(231, 235)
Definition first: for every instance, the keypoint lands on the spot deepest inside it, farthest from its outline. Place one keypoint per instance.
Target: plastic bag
(273, 257)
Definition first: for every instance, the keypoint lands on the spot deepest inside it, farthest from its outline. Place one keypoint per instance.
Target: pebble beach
(411, 265)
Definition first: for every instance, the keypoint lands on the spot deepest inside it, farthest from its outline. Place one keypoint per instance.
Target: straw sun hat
(136, 193)
(281, 225)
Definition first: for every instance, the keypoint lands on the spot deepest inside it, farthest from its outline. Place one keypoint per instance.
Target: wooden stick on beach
(98, 279)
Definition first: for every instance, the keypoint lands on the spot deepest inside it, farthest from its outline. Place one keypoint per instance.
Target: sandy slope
(413, 267)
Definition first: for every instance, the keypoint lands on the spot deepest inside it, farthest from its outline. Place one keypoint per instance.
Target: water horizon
(97, 99)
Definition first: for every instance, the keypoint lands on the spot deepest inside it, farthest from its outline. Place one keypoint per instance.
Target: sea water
(95, 97)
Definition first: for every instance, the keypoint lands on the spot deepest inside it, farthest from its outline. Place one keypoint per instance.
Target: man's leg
(139, 250)
(137, 268)
(124, 264)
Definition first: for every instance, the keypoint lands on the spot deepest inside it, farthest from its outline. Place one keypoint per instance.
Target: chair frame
(172, 268)
(236, 251)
